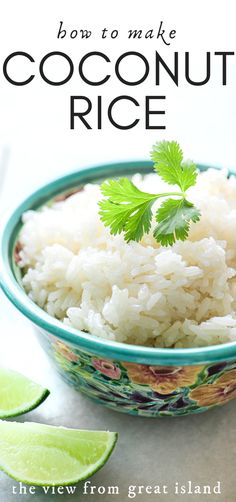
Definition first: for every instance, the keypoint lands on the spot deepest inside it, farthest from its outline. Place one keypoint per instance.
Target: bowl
(144, 381)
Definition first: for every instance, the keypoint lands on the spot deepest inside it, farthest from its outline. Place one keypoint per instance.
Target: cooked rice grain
(141, 293)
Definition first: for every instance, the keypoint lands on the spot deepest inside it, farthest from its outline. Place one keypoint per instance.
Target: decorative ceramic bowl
(144, 381)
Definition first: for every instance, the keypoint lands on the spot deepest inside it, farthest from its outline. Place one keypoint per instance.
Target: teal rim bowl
(112, 350)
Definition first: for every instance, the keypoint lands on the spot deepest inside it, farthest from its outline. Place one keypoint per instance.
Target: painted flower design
(163, 379)
(146, 390)
(221, 391)
(107, 368)
(65, 351)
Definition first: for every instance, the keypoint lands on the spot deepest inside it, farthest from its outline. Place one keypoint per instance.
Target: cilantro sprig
(127, 209)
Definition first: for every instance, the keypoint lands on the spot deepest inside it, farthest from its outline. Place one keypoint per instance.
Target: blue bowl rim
(101, 347)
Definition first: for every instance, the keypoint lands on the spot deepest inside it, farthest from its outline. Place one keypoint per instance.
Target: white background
(34, 125)
(34, 119)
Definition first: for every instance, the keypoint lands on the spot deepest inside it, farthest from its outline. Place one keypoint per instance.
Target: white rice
(142, 293)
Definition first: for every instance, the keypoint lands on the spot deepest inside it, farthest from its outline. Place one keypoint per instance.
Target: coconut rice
(141, 293)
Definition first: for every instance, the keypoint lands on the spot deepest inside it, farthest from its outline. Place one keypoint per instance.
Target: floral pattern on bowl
(138, 389)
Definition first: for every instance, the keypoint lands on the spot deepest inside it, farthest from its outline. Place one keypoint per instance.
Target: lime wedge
(18, 394)
(46, 455)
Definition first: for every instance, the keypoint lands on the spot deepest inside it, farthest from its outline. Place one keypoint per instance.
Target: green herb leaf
(127, 209)
(173, 218)
(189, 175)
(124, 191)
(168, 163)
(139, 222)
